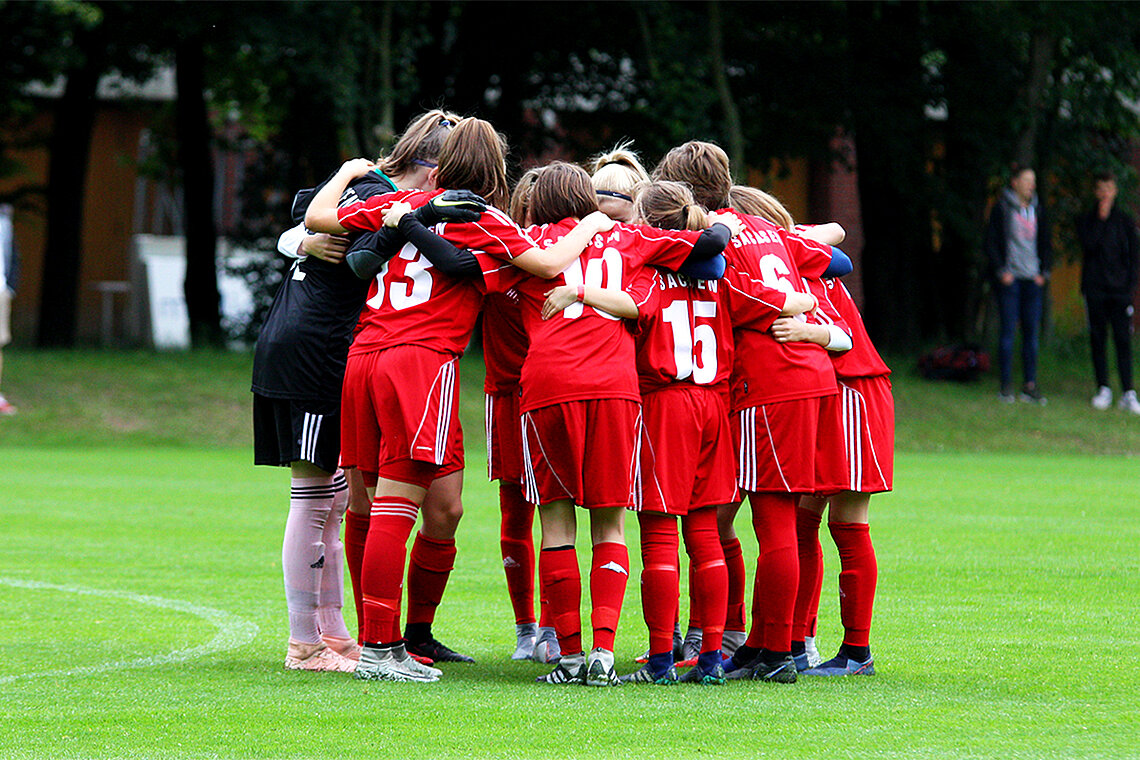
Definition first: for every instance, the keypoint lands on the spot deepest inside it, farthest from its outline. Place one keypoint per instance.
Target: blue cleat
(802, 662)
(841, 665)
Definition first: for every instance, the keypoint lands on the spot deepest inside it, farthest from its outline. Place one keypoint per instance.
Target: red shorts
(831, 470)
(869, 433)
(775, 446)
(400, 406)
(686, 456)
(504, 438)
(585, 451)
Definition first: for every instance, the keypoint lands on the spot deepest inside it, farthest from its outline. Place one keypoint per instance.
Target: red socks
(660, 578)
(734, 562)
(355, 536)
(382, 571)
(609, 573)
(709, 575)
(431, 563)
(777, 571)
(517, 544)
(857, 578)
(562, 586)
(811, 573)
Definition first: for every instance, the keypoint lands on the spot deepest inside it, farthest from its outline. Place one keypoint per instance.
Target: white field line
(232, 633)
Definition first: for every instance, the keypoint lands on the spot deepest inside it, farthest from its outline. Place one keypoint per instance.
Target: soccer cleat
(841, 665)
(434, 650)
(1103, 398)
(812, 651)
(546, 649)
(1031, 395)
(1005, 395)
(400, 652)
(730, 641)
(1129, 403)
(735, 669)
(645, 674)
(802, 662)
(783, 671)
(571, 669)
(600, 669)
(691, 645)
(344, 647)
(711, 676)
(316, 658)
(678, 647)
(526, 633)
(385, 664)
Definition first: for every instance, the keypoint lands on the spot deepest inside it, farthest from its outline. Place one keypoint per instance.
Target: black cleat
(432, 649)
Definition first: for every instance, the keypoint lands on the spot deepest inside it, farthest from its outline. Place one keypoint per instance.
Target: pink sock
(330, 602)
(303, 554)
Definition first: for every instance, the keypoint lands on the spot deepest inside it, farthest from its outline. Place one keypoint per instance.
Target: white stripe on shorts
(488, 425)
(310, 431)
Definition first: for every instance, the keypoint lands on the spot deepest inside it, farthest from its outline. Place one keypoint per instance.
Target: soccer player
(581, 412)
(400, 416)
(616, 176)
(298, 368)
(776, 392)
(867, 408)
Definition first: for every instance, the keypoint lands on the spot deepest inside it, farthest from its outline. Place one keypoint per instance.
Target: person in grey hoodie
(1018, 245)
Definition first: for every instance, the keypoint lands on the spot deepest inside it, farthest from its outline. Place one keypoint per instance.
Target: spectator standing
(1020, 252)
(1109, 269)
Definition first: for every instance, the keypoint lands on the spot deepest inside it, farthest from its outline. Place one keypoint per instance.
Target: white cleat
(526, 634)
(814, 658)
(546, 648)
(1103, 398)
(600, 669)
(392, 664)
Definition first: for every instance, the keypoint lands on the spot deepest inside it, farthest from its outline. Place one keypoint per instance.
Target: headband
(612, 194)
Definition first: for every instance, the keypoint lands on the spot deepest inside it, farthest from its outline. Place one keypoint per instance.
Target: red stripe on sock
(709, 573)
(607, 590)
(430, 565)
(660, 578)
(516, 542)
(355, 537)
(858, 576)
(777, 570)
(382, 571)
(562, 585)
(734, 562)
(811, 572)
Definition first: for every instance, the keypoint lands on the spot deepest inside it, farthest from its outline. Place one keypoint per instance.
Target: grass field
(143, 613)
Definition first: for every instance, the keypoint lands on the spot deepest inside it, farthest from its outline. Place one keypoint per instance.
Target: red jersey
(763, 259)
(504, 342)
(862, 360)
(412, 303)
(685, 334)
(583, 353)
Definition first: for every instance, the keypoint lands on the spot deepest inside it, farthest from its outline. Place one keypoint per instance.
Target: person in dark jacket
(1020, 252)
(1109, 270)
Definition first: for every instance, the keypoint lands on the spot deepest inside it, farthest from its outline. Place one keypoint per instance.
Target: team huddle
(665, 343)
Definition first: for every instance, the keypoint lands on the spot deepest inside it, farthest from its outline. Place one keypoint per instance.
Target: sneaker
(1031, 395)
(691, 646)
(1103, 398)
(1129, 403)
(783, 671)
(646, 675)
(571, 669)
(525, 633)
(344, 647)
(841, 665)
(436, 651)
(382, 664)
(1005, 395)
(600, 669)
(546, 648)
(813, 655)
(6, 407)
(317, 658)
(731, 641)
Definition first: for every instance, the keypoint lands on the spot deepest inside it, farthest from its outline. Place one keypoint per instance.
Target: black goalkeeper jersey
(303, 346)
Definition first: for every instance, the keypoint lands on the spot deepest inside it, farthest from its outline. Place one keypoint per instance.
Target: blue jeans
(1019, 301)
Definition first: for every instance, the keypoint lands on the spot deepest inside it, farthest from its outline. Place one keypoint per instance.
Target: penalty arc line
(232, 633)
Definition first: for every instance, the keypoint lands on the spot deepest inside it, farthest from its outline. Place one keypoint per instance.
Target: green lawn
(143, 612)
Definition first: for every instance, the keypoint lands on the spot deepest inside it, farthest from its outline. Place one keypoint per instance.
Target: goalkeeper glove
(451, 206)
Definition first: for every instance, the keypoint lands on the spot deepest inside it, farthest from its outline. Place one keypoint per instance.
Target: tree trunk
(69, 151)
(194, 156)
(735, 132)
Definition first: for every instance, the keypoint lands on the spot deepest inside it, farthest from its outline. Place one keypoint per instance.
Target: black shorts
(286, 431)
